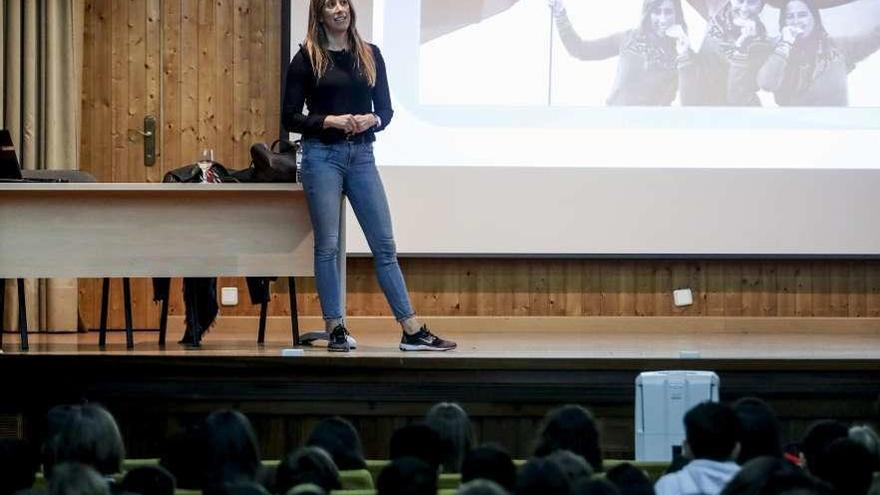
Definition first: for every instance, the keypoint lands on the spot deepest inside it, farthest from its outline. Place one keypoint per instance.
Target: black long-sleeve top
(342, 90)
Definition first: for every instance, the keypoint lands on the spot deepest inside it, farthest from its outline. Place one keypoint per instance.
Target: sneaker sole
(339, 349)
(419, 347)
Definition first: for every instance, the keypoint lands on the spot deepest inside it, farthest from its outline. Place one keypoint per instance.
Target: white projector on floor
(662, 399)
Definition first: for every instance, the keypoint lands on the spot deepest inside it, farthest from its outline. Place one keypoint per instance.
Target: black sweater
(341, 91)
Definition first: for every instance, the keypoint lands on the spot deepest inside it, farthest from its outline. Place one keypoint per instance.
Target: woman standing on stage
(342, 81)
(647, 72)
(808, 67)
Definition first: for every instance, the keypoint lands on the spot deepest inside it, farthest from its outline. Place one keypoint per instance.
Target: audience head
(340, 439)
(712, 432)
(629, 480)
(88, 435)
(232, 455)
(595, 486)
(307, 465)
(572, 465)
(866, 436)
(148, 480)
(541, 476)
(407, 476)
(760, 433)
(73, 478)
(571, 428)
(489, 462)
(19, 464)
(773, 476)
(453, 426)
(818, 437)
(481, 487)
(417, 440)
(846, 465)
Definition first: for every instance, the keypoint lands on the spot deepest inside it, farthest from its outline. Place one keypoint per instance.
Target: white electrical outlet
(682, 297)
(229, 296)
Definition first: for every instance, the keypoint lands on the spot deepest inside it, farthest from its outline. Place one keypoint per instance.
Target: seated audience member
(818, 437)
(595, 486)
(230, 449)
(866, 436)
(407, 476)
(235, 488)
(19, 464)
(712, 442)
(630, 480)
(72, 478)
(184, 457)
(570, 428)
(773, 476)
(88, 435)
(760, 433)
(541, 476)
(340, 439)
(148, 480)
(572, 465)
(307, 465)
(846, 465)
(489, 462)
(481, 487)
(417, 440)
(453, 426)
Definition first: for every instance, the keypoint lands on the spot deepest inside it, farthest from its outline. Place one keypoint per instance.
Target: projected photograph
(649, 53)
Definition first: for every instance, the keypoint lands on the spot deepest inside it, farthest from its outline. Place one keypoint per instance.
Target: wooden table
(155, 230)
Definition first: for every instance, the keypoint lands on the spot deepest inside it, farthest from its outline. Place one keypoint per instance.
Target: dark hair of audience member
(480, 487)
(184, 456)
(407, 476)
(243, 487)
(818, 437)
(56, 418)
(846, 465)
(573, 428)
(541, 476)
(453, 425)
(307, 465)
(340, 439)
(231, 451)
(148, 480)
(417, 440)
(711, 431)
(90, 436)
(866, 436)
(760, 432)
(489, 462)
(595, 486)
(773, 476)
(629, 480)
(572, 465)
(73, 478)
(19, 464)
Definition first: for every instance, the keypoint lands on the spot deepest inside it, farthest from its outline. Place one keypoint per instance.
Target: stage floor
(378, 338)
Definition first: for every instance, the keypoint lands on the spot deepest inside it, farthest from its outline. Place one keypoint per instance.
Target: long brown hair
(316, 44)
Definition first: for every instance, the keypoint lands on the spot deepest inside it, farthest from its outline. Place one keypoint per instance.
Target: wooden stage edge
(606, 342)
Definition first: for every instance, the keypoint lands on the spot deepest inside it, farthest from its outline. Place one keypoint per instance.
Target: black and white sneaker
(424, 340)
(338, 340)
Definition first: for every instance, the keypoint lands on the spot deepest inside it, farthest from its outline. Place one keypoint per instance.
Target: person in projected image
(342, 80)
(647, 69)
(808, 67)
(724, 70)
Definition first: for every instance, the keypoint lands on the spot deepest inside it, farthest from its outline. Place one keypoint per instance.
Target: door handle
(149, 134)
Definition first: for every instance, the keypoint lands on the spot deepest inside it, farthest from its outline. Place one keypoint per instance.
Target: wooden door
(208, 70)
